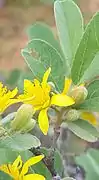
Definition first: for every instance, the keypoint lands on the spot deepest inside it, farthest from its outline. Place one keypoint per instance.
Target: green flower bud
(72, 115)
(79, 94)
(23, 116)
(29, 126)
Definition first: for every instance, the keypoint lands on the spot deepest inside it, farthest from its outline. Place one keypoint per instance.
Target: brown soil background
(14, 20)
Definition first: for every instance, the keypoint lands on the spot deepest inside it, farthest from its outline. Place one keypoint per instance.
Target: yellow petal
(33, 177)
(29, 163)
(36, 82)
(13, 93)
(4, 168)
(43, 121)
(27, 85)
(88, 116)
(62, 100)
(67, 86)
(17, 163)
(9, 169)
(9, 103)
(45, 77)
(14, 172)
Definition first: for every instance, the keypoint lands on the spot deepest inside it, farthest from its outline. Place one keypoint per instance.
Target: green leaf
(43, 32)
(93, 89)
(20, 142)
(69, 24)
(58, 165)
(91, 104)
(8, 156)
(39, 56)
(84, 130)
(92, 101)
(4, 176)
(92, 71)
(90, 162)
(88, 48)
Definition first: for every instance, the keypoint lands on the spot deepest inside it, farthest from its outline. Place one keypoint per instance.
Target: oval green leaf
(84, 130)
(39, 56)
(20, 142)
(69, 24)
(87, 49)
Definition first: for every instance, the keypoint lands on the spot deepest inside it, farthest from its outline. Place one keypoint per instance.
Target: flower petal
(17, 163)
(9, 169)
(8, 103)
(33, 176)
(13, 93)
(27, 84)
(88, 116)
(45, 77)
(43, 121)
(5, 169)
(29, 163)
(67, 86)
(62, 100)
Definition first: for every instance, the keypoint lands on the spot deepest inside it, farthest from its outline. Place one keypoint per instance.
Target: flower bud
(79, 94)
(23, 116)
(72, 115)
(29, 126)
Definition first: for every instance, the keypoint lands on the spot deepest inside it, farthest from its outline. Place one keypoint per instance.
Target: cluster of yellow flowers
(38, 94)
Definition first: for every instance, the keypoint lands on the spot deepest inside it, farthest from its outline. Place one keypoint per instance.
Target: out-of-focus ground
(14, 19)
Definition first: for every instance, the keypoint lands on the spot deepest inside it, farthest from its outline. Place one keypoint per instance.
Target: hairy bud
(23, 117)
(72, 115)
(79, 94)
(29, 126)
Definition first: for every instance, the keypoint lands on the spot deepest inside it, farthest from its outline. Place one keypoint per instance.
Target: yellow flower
(6, 97)
(18, 171)
(38, 95)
